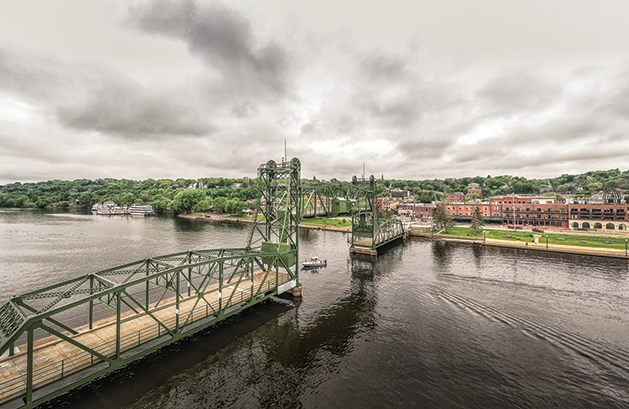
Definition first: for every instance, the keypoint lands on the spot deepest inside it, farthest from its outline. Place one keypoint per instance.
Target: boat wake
(603, 354)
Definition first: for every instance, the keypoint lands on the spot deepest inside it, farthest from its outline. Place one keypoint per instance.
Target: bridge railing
(387, 231)
(240, 285)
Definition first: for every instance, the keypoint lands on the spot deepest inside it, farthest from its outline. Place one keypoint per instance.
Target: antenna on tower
(285, 157)
(363, 170)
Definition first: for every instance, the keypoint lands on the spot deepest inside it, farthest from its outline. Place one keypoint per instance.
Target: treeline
(581, 186)
(179, 196)
(230, 194)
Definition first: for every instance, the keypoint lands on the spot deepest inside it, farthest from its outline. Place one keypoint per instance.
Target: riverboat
(110, 209)
(314, 262)
(141, 210)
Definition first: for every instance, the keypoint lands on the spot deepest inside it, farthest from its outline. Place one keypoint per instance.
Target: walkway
(55, 358)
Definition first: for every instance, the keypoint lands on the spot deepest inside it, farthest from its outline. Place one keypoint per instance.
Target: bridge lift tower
(56, 338)
(369, 232)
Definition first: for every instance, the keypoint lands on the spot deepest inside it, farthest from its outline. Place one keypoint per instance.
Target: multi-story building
(536, 215)
(400, 193)
(421, 211)
(463, 211)
(474, 188)
(455, 197)
(598, 216)
(524, 211)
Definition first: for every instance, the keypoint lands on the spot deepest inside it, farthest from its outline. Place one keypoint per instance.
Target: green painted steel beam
(193, 277)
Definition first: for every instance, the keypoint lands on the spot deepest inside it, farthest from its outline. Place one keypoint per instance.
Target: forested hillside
(229, 194)
(582, 186)
(163, 194)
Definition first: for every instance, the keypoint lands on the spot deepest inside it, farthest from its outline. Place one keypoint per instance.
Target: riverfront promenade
(229, 219)
(541, 246)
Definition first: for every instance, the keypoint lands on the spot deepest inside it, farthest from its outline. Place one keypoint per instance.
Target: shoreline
(228, 219)
(552, 248)
(541, 247)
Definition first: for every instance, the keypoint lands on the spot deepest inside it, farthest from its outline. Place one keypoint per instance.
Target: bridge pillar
(297, 291)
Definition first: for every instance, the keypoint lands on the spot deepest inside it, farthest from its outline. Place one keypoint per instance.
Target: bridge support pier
(364, 250)
(297, 291)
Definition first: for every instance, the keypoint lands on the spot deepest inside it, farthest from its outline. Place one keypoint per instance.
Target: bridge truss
(322, 199)
(369, 232)
(59, 337)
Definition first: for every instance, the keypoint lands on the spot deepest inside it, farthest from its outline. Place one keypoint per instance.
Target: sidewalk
(554, 248)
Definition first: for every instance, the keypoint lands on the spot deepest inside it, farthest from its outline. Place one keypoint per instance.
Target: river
(426, 324)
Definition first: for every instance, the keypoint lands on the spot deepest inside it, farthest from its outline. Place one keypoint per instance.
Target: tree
(160, 204)
(202, 205)
(185, 200)
(477, 220)
(441, 217)
(235, 206)
(220, 203)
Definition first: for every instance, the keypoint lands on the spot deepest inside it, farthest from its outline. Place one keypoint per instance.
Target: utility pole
(514, 212)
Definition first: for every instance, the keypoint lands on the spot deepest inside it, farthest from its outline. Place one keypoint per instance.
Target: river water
(426, 325)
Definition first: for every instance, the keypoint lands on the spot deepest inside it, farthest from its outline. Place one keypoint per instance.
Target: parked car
(538, 229)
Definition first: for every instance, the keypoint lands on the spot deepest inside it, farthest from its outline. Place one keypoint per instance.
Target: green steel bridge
(62, 336)
(370, 233)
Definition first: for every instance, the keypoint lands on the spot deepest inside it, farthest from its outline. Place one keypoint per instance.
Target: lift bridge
(326, 199)
(59, 337)
(65, 335)
(356, 199)
(370, 233)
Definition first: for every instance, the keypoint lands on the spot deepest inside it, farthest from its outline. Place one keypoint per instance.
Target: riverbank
(542, 246)
(515, 241)
(225, 218)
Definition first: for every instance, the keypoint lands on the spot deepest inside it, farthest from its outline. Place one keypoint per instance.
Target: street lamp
(484, 238)
(625, 247)
(547, 242)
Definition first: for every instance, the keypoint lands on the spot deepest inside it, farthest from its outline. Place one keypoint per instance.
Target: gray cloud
(339, 105)
(124, 108)
(88, 97)
(519, 90)
(223, 39)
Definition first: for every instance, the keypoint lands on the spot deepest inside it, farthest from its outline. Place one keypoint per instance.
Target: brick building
(526, 211)
(474, 188)
(422, 211)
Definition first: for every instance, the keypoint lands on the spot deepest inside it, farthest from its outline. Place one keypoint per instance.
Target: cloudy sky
(412, 88)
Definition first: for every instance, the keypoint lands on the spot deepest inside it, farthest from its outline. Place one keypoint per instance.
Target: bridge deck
(55, 358)
(369, 246)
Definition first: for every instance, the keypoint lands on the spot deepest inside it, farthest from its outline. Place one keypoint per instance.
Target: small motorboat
(315, 263)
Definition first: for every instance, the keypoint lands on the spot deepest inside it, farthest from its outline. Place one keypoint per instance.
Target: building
(463, 211)
(421, 211)
(474, 188)
(456, 197)
(597, 216)
(526, 211)
(400, 193)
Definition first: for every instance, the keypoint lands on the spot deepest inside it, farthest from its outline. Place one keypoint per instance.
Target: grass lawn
(327, 221)
(553, 238)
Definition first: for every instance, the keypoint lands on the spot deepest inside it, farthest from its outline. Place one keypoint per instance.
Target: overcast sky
(414, 89)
